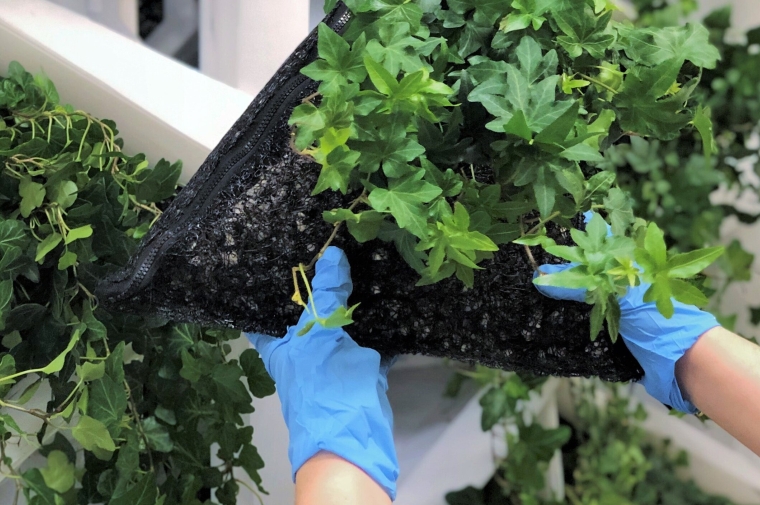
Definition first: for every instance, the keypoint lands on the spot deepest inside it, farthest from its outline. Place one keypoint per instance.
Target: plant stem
(599, 83)
(543, 222)
(133, 409)
(335, 231)
(249, 488)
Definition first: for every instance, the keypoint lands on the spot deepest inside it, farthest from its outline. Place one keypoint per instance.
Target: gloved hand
(333, 391)
(656, 342)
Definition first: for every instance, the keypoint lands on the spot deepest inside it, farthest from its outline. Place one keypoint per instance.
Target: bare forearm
(327, 479)
(720, 374)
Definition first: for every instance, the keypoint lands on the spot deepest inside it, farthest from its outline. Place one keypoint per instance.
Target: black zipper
(275, 107)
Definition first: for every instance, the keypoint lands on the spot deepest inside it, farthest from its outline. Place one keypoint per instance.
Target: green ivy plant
(135, 404)
(464, 125)
(606, 455)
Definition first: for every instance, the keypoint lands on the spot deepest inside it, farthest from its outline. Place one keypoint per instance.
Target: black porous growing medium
(222, 255)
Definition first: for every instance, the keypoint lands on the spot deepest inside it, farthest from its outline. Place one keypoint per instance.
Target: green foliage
(419, 97)
(606, 454)
(146, 400)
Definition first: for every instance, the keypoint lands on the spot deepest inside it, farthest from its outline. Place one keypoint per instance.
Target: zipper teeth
(210, 188)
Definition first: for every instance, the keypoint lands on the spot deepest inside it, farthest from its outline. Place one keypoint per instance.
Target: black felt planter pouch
(222, 253)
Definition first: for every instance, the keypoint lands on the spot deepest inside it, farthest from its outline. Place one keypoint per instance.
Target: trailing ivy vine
(464, 125)
(131, 406)
(606, 455)
(607, 459)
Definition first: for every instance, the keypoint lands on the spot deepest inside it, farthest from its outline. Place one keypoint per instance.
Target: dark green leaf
(259, 382)
(159, 183)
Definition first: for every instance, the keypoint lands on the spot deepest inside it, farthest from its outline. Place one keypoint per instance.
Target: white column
(244, 42)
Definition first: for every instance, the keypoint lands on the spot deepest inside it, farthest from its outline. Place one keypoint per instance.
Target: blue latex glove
(656, 342)
(333, 391)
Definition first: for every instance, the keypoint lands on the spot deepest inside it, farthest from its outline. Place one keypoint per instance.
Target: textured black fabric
(222, 254)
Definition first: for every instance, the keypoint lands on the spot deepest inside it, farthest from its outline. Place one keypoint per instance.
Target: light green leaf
(619, 207)
(68, 259)
(59, 473)
(90, 371)
(64, 193)
(32, 195)
(339, 318)
(703, 123)
(654, 243)
(404, 200)
(48, 244)
(78, 233)
(582, 152)
(573, 278)
(660, 293)
(91, 434)
(57, 364)
(690, 264)
(573, 183)
(687, 293)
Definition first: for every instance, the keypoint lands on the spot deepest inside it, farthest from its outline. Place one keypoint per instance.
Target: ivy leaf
(597, 320)
(582, 30)
(612, 316)
(572, 278)
(660, 292)
(92, 371)
(687, 293)
(57, 364)
(404, 199)
(260, 383)
(157, 435)
(396, 49)
(64, 193)
(33, 481)
(704, 126)
(393, 150)
(620, 210)
(251, 462)
(229, 388)
(364, 226)
(339, 318)
(48, 244)
(380, 77)
(544, 191)
(690, 264)
(336, 169)
(310, 121)
(107, 403)
(78, 233)
(641, 104)
(47, 87)
(582, 152)
(573, 183)
(12, 234)
(59, 472)
(495, 405)
(338, 64)
(92, 434)
(736, 262)
(32, 195)
(159, 183)
(653, 46)
(654, 243)
(143, 492)
(600, 183)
